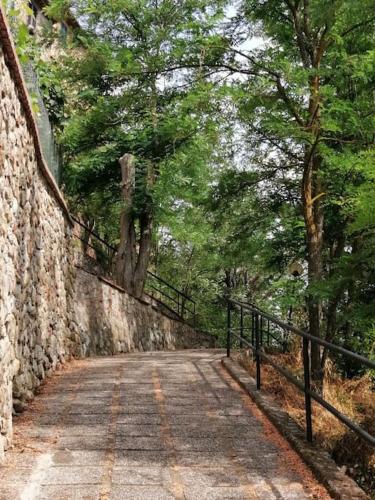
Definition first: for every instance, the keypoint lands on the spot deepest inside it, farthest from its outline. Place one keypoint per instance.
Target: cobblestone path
(150, 426)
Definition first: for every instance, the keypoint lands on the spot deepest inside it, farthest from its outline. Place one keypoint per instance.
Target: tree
(300, 104)
(134, 97)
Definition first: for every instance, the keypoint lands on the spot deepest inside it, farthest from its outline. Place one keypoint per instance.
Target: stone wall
(110, 321)
(50, 308)
(36, 262)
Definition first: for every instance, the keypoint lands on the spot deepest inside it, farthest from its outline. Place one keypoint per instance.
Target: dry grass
(355, 398)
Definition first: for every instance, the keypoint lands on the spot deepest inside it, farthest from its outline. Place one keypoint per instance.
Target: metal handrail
(301, 333)
(308, 339)
(171, 298)
(164, 294)
(170, 286)
(93, 233)
(179, 299)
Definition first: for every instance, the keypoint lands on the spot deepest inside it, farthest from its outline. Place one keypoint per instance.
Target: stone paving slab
(140, 493)
(138, 430)
(139, 443)
(227, 493)
(83, 458)
(72, 475)
(137, 458)
(162, 425)
(133, 418)
(141, 476)
(87, 442)
(210, 477)
(76, 492)
(82, 430)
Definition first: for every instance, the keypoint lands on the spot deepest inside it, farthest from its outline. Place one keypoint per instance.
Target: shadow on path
(156, 425)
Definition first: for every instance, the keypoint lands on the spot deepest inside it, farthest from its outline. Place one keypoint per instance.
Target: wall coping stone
(338, 484)
(14, 67)
(111, 283)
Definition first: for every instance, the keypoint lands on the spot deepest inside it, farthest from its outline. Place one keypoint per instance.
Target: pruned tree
(135, 233)
(136, 90)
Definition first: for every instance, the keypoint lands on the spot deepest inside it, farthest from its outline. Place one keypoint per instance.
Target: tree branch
(301, 42)
(283, 94)
(358, 25)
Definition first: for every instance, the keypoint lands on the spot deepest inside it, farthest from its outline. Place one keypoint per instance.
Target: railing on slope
(96, 247)
(172, 298)
(261, 333)
(169, 297)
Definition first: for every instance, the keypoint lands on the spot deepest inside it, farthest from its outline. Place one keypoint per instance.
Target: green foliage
(221, 129)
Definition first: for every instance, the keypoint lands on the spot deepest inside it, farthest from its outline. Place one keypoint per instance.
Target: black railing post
(241, 327)
(257, 347)
(182, 307)
(252, 328)
(285, 342)
(261, 331)
(268, 333)
(228, 328)
(306, 375)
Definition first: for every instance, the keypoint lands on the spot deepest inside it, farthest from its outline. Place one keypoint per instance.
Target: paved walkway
(150, 426)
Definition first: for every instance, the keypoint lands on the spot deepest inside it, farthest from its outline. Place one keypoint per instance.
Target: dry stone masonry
(36, 278)
(110, 321)
(50, 310)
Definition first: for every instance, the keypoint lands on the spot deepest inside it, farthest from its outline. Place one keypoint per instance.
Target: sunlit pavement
(155, 426)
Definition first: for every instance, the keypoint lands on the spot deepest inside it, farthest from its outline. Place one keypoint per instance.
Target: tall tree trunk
(311, 50)
(127, 253)
(313, 215)
(144, 251)
(134, 253)
(336, 252)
